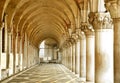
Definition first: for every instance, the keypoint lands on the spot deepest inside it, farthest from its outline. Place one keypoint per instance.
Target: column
(10, 54)
(71, 57)
(1, 26)
(69, 48)
(27, 43)
(25, 52)
(14, 54)
(19, 51)
(90, 55)
(116, 50)
(21, 55)
(103, 48)
(83, 58)
(73, 51)
(8, 50)
(67, 57)
(114, 9)
(68, 54)
(63, 57)
(77, 57)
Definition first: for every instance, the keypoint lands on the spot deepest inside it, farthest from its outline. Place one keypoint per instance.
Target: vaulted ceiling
(41, 19)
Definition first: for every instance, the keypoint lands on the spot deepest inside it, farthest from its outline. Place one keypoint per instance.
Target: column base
(89, 82)
(70, 70)
(77, 75)
(82, 79)
(73, 72)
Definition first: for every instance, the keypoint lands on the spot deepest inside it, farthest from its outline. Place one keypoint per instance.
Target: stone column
(8, 50)
(71, 57)
(65, 58)
(70, 50)
(14, 55)
(114, 8)
(77, 57)
(83, 58)
(26, 52)
(19, 51)
(67, 55)
(90, 55)
(103, 48)
(69, 61)
(21, 55)
(10, 53)
(116, 50)
(27, 42)
(73, 51)
(1, 27)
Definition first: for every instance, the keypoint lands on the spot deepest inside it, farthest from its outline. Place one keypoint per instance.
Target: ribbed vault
(41, 19)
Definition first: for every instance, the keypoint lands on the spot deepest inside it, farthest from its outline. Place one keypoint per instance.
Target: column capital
(80, 33)
(89, 32)
(114, 8)
(88, 29)
(100, 20)
(8, 30)
(2, 24)
(75, 37)
(72, 41)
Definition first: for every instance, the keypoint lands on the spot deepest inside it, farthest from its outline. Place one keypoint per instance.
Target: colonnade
(16, 52)
(93, 58)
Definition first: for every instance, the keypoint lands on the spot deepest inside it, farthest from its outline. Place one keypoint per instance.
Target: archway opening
(48, 51)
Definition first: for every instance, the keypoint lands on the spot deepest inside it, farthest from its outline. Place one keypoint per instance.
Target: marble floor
(46, 73)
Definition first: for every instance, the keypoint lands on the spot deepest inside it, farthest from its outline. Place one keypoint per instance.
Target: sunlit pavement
(46, 73)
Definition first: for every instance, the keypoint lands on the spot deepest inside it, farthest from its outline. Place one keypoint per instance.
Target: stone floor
(47, 73)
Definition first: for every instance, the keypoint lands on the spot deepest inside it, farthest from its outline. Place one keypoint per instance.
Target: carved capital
(2, 24)
(101, 21)
(89, 32)
(8, 30)
(75, 37)
(114, 8)
(88, 29)
(72, 41)
(84, 25)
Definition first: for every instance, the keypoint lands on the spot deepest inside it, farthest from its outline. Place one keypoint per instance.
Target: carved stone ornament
(2, 24)
(114, 8)
(101, 21)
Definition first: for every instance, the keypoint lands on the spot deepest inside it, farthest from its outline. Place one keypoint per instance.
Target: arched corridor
(82, 35)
